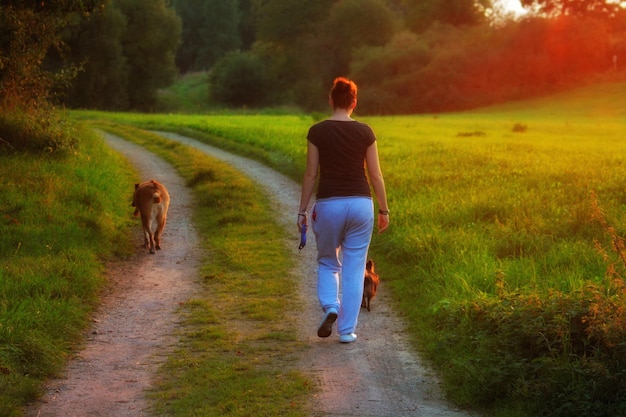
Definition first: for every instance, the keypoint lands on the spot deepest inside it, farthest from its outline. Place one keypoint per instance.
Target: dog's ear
(136, 186)
(370, 265)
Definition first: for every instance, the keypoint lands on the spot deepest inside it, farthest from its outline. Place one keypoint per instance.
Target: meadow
(504, 254)
(505, 238)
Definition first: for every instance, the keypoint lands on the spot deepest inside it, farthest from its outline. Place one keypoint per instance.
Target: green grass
(57, 225)
(488, 207)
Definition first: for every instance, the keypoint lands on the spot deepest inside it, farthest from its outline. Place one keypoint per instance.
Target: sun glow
(512, 6)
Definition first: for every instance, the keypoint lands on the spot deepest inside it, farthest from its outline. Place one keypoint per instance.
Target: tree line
(408, 56)
(416, 56)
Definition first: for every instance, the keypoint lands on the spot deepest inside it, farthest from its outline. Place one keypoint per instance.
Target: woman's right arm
(308, 182)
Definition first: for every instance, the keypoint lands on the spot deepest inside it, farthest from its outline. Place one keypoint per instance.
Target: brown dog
(151, 200)
(370, 284)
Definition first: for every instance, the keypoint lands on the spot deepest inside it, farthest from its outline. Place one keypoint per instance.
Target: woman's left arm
(378, 183)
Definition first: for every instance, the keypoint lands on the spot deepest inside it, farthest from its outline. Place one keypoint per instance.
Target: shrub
(40, 130)
(559, 354)
(239, 79)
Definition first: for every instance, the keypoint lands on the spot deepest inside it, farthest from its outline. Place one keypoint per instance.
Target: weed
(520, 128)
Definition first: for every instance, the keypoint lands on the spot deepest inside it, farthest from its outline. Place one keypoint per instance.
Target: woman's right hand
(302, 221)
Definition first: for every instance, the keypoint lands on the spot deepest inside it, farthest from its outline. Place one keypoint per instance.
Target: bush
(41, 130)
(559, 354)
(240, 79)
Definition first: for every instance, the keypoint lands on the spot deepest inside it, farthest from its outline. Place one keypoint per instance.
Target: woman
(343, 215)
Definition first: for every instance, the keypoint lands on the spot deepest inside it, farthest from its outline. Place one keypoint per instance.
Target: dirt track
(378, 375)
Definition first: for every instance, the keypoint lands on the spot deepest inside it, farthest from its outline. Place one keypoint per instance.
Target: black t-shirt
(342, 147)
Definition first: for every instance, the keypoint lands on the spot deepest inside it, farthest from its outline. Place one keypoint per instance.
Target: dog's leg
(146, 222)
(159, 232)
(160, 217)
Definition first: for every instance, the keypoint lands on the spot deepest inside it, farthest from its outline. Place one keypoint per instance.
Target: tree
(422, 13)
(28, 30)
(590, 8)
(287, 21)
(352, 24)
(210, 29)
(289, 41)
(95, 45)
(125, 54)
(239, 79)
(149, 43)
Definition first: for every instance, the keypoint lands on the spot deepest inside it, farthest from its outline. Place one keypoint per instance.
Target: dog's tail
(156, 198)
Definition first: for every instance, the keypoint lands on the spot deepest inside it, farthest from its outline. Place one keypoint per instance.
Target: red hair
(343, 92)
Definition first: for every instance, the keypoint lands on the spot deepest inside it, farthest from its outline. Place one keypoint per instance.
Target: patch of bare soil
(378, 375)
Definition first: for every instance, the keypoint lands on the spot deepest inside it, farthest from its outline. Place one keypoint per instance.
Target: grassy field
(503, 254)
(495, 254)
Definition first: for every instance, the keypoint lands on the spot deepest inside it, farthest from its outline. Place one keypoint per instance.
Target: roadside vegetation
(505, 254)
(58, 226)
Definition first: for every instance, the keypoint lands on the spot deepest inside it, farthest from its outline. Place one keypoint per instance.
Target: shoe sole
(326, 328)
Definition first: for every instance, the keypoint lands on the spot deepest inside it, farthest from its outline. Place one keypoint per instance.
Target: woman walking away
(343, 215)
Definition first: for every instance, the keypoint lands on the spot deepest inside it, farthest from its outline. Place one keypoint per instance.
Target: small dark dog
(370, 284)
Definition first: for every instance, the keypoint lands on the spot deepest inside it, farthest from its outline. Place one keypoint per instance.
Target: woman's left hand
(383, 222)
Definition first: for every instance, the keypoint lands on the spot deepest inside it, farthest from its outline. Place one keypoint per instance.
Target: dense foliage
(240, 80)
(28, 32)
(449, 68)
(408, 56)
(126, 53)
(432, 56)
(211, 28)
(97, 53)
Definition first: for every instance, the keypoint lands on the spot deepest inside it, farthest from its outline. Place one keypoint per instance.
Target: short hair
(343, 92)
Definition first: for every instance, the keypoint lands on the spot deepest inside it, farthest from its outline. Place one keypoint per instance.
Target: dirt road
(378, 375)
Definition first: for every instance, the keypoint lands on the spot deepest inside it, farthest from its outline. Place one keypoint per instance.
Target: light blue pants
(343, 229)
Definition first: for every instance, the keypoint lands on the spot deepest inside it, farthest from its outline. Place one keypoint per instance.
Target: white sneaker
(347, 338)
